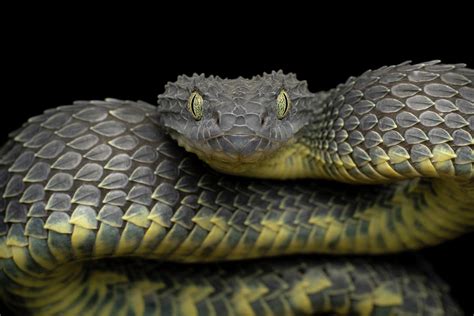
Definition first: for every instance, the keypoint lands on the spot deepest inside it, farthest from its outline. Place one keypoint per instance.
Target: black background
(45, 67)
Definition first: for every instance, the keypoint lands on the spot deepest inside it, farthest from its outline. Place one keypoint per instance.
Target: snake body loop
(104, 180)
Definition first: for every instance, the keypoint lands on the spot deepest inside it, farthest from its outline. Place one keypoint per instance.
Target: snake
(244, 196)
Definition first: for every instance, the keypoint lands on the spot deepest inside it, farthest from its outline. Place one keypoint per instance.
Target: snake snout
(251, 122)
(240, 133)
(240, 145)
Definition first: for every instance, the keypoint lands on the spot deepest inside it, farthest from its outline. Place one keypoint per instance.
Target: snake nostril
(217, 118)
(262, 120)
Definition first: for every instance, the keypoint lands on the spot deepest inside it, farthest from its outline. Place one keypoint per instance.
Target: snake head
(234, 123)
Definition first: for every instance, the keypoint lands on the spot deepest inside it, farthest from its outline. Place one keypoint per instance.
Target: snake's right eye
(283, 104)
(195, 105)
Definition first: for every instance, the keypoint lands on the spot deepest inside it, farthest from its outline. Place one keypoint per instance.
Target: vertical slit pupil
(192, 104)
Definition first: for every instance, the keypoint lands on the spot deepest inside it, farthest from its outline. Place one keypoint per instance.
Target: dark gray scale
(84, 142)
(438, 136)
(162, 213)
(462, 138)
(368, 122)
(389, 105)
(415, 135)
(85, 217)
(454, 120)
(35, 228)
(39, 139)
(140, 194)
(386, 124)
(68, 161)
(37, 210)
(404, 90)
(109, 128)
(420, 152)
(115, 197)
(23, 162)
(34, 193)
(444, 105)
(72, 130)
(59, 222)
(27, 133)
(120, 162)
(15, 212)
(392, 77)
(422, 76)
(127, 142)
(100, 153)
(184, 217)
(453, 78)
(90, 172)
(376, 92)
(51, 150)
(464, 106)
(406, 119)
(115, 180)
(61, 181)
(464, 155)
(59, 202)
(145, 154)
(128, 115)
(111, 215)
(430, 119)
(91, 114)
(147, 132)
(419, 103)
(439, 90)
(392, 138)
(143, 175)
(137, 214)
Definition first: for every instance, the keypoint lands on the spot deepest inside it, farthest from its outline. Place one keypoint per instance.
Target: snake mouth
(230, 149)
(239, 147)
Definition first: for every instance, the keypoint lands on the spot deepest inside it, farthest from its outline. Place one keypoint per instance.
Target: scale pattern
(99, 179)
(397, 122)
(291, 286)
(86, 181)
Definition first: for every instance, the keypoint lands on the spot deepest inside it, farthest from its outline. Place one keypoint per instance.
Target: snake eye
(195, 105)
(283, 104)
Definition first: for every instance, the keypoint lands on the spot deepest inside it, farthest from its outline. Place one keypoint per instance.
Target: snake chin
(281, 160)
(236, 155)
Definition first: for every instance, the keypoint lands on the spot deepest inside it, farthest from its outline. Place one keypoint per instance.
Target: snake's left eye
(283, 104)
(195, 105)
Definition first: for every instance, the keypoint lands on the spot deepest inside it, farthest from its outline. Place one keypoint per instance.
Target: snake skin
(100, 179)
(398, 122)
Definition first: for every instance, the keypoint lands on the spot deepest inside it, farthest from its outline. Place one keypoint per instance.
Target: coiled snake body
(103, 180)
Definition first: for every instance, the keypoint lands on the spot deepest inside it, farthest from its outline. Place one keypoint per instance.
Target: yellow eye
(195, 105)
(283, 104)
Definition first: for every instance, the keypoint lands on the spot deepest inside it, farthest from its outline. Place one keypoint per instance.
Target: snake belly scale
(103, 210)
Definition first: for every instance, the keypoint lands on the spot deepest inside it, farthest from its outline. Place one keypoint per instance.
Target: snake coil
(103, 180)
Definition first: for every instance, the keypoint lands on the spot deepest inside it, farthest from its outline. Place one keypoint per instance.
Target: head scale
(231, 123)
